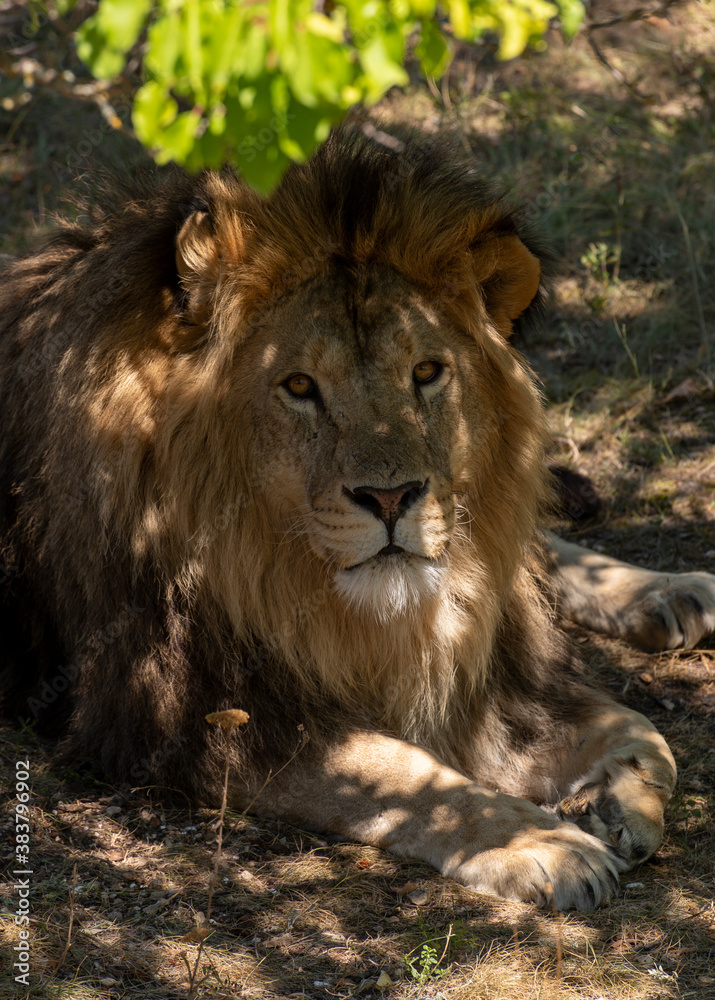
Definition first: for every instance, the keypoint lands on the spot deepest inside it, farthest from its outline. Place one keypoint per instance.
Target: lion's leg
(618, 780)
(397, 796)
(649, 609)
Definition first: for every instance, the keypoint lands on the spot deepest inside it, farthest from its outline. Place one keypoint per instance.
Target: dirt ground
(617, 165)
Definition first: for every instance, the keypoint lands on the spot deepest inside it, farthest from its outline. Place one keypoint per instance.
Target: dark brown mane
(114, 370)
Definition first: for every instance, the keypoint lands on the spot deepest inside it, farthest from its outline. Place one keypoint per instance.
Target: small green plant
(428, 965)
(621, 333)
(598, 258)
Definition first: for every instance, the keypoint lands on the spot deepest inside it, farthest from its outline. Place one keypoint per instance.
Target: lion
(279, 454)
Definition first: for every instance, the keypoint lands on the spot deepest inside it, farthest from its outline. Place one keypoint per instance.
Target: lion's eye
(426, 371)
(301, 386)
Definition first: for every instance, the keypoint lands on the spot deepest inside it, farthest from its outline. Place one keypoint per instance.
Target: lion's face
(308, 429)
(365, 423)
(354, 385)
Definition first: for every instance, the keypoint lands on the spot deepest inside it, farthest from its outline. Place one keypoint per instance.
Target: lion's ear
(509, 276)
(197, 264)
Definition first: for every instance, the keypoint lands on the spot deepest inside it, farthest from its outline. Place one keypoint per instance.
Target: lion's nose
(387, 505)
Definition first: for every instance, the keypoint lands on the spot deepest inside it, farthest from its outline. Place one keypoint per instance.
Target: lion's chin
(391, 585)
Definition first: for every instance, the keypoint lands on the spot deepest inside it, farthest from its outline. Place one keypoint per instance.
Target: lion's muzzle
(387, 505)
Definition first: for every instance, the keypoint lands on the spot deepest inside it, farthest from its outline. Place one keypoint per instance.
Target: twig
(303, 740)
(446, 945)
(444, 89)
(695, 653)
(631, 356)
(613, 70)
(164, 789)
(434, 89)
(228, 720)
(160, 904)
(516, 938)
(572, 446)
(559, 946)
(639, 14)
(69, 929)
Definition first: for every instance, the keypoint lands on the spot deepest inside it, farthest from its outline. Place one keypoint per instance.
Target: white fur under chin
(391, 586)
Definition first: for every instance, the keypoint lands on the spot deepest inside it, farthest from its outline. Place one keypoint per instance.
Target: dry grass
(293, 915)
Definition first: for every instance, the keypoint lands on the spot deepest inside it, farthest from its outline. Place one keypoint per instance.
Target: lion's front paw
(622, 801)
(564, 865)
(675, 611)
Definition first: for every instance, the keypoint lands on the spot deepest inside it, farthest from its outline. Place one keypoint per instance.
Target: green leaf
(520, 22)
(267, 169)
(423, 9)
(177, 140)
(225, 36)
(103, 62)
(192, 44)
(259, 158)
(280, 22)
(571, 15)
(381, 69)
(432, 49)
(163, 46)
(332, 27)
(217, 120)
(104, 39)
(153, 110)
(122, 20)
(318, 68)
(304, 128)
(460, 17)
(516, 29)
(261, 81)
(250, 55)
(209, 151)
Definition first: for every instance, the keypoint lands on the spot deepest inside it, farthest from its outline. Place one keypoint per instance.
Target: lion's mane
(144, 577)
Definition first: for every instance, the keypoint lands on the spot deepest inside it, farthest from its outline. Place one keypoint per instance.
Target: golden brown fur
(182, 533)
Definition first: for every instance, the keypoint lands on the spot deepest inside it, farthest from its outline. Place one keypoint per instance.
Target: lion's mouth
(384, 555)
(392, 582)
(389, 550)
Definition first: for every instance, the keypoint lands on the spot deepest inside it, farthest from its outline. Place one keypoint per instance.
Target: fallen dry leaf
(684, 390)
(229, 717)
(195, 935)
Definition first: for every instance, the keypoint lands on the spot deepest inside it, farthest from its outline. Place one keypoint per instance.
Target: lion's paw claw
(565, 867)
(677, 611)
